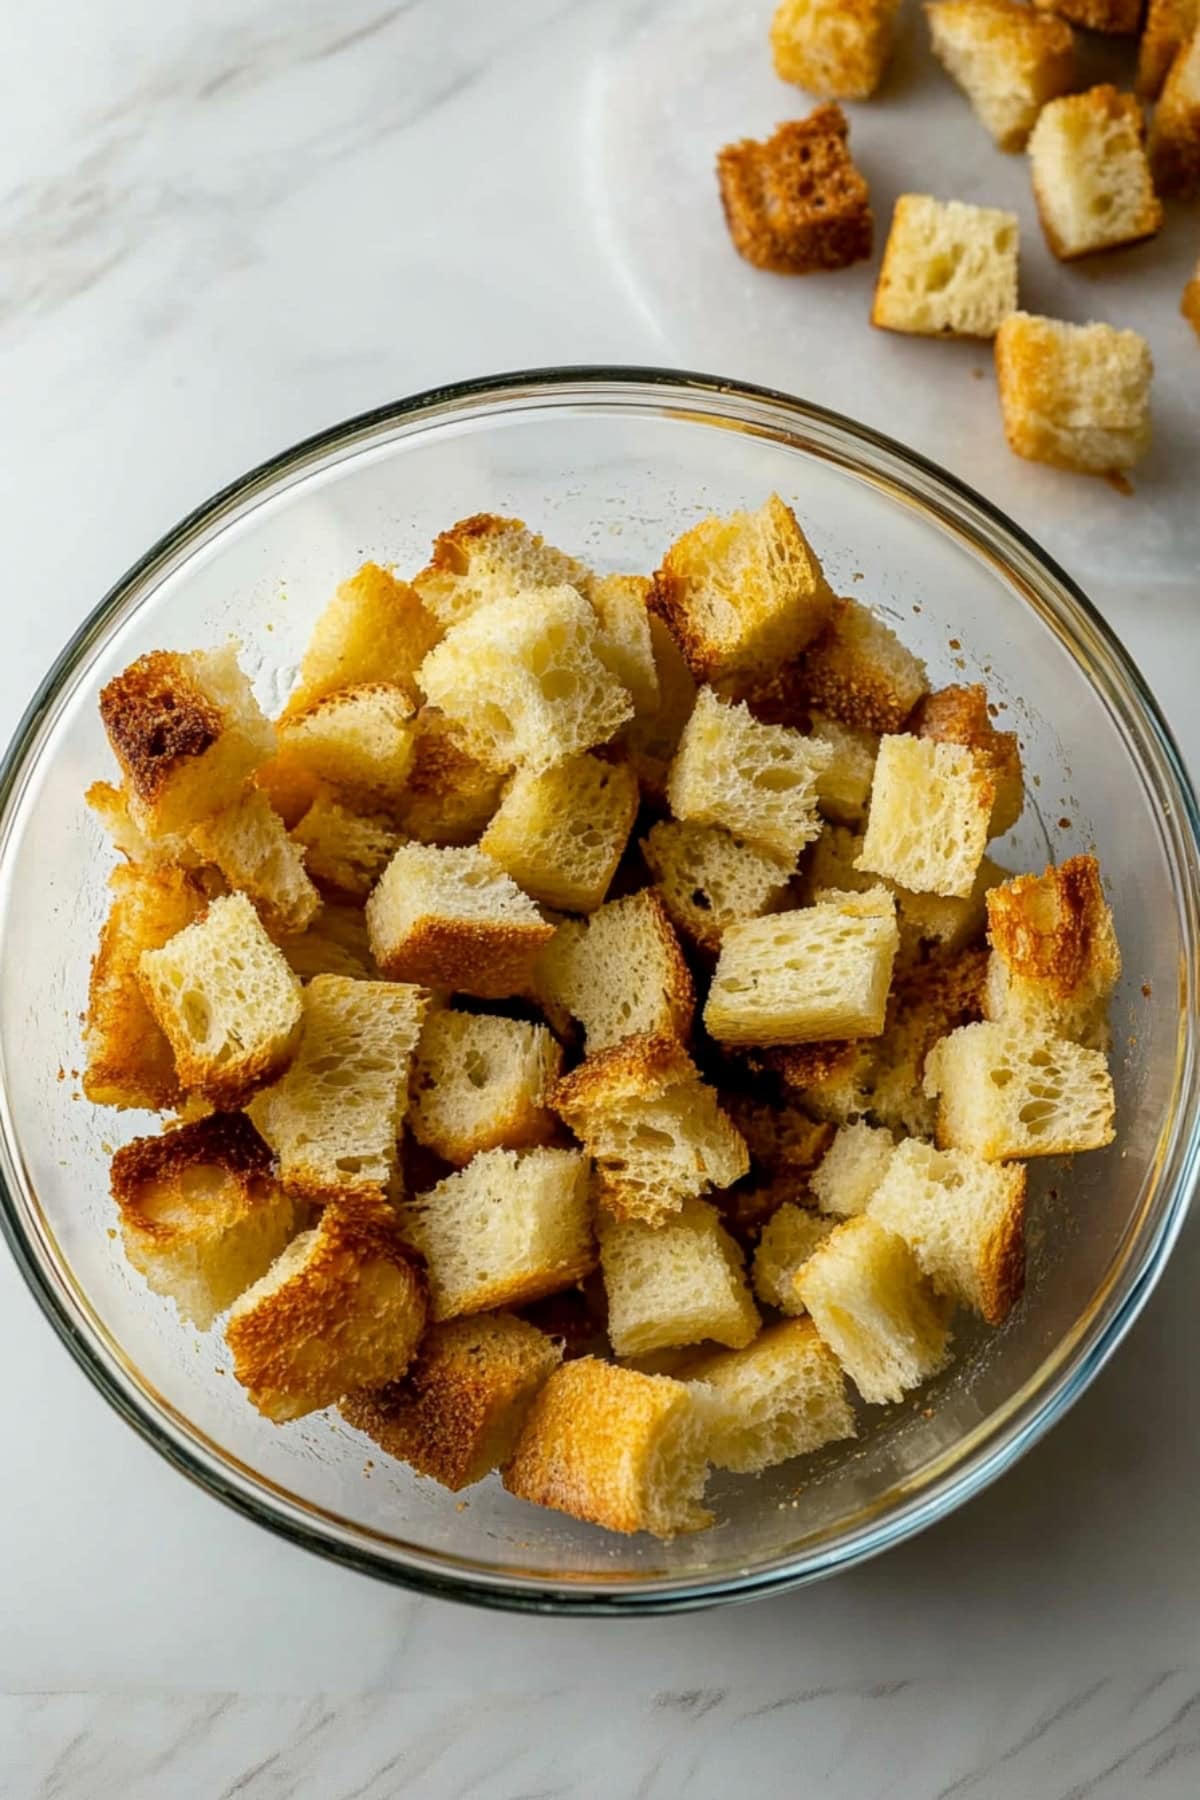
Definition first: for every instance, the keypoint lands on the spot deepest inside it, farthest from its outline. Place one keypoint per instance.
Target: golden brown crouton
(964, 1221)
(651, 739)
(1119, 18)
(345, 851)
(710, 879)
(1169, 25)
(482, 1083)
(374, 629)
(486, 558)
(784, 1395)
(1007, 58)
(1005, 1092)
(111, 806)
(360, 740)
(1075, 396)
(949, 269)
(254, 853)
(959, 715)
(860, 672)
(619, 972)
(677, 1282)
(835, 48)
(560, 834)
(1053, 940)
(796, 203)
(334, 944)
(875, 1310)
(449, 795)
(626, 644)
(1091, 179)
(451, 918)
(931, 811)
(1175, 129)
(759, 781)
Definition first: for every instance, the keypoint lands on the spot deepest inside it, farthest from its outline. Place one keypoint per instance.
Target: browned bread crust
(797, 203)
(959, 715)
(226, 1139)
(157, 717)
(475, 956)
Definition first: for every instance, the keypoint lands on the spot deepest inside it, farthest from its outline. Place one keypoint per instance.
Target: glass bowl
(612, 464)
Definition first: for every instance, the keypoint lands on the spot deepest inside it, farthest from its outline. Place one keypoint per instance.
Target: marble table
(224, 224)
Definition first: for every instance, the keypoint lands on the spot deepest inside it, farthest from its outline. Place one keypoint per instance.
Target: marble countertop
(222, 226)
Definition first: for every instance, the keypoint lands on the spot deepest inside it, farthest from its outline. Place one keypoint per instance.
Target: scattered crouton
(1091, 179)
(931, 810)
(860, 672)
(949, 269)
(626, 643)
(1169, 25)
(560, 833)
(964, 1221)
(788, 1239)
(844, 785)
(797, 203)
(1003, 1093)
(482, 1083)
(959, 715)
(875, 1310)
(709, 879)
(345, 851)
(758, 781)
(679, 1282)
(375, 629)
(854, 1165)
(784, 1395)
(620, 972)
(1075, 396)
(1055, 959)
(929, 1000)
(485, 558)
(359, 740)
(450, 918)
(168, 850)
(1008, 59)
(835, 48)
(254, 853)
(335, 943)
(1175, 128)
(450, 794)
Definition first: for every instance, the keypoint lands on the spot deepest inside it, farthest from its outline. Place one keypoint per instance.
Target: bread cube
(449, 795)
(835, 48)
(758, 781)
(345, 851)
(709, 879)
(931, 810)
(1003, 1093)
(130, 1061)
(254, 853)
(359, 740)
(226, 999)
(875, 1310)
(788, 1239)
(343, 1308)
(522, 681)
(560, 834)
(948, 270)
(1189, 306)
(1091, 179)
(960, 715)
(964, 1221)
(651, 740)
(614, 1448)
(859, 672)
(482, 1083)
(930, 999)
(1169, 25)
(169, 850)
(844, 785)
(742, 593)
(1008, 59)
(508, 1228)
(816, 973)
(1075, 396)
(853, 1167)
(676, 1283)
(620, 973)
(375, 629)
(485, 558)
(186, 731)
(1119, 18)
(1055, 958)
(458, 1412)
(626, 645)
(1175, 129)
(334, 944)
(797, 203)
(452, 919)
(784, 1395)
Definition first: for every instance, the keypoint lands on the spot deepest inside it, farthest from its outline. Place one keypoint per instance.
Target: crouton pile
(591, 1039)
(1075, 396)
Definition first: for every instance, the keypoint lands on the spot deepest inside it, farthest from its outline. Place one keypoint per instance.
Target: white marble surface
(222, 225)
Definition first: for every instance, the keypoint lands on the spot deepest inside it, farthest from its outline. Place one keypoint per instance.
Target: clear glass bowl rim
(1069, 1369)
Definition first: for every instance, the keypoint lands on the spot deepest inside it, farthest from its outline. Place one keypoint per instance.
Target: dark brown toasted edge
(1060, 957)
(226, 1138)
(487, 959)
(1002, 1264)
(856, 696)
(156, 717)
(648, 1062)
(447, 556)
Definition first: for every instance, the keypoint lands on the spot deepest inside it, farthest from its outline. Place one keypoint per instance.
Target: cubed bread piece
(853, 1167)
(1175, 128)
(522, 680)
(1008, 60)
(835, 48)
(1091, 179)
(785, 1144)
(860, 672)
(226, 999)
(482, 1083)
(799, 977)
(797, 203)
(254, 853)
(742, 593)
(784, 1395)
(625, 644)
(375, 629)
(449, 795)
(334, 944)
(1055, 959)
(201, 1214)
(450, 918)
(929, 1000)
(1189, 306)
(709, 879)
(186, 731)
(1169, 25)
(960, 715)
(1003, 1093)
(614, 1448)
(1119, 18)
(360, 740)
(111, 806)
(1075, 396)
(620, 972)
(486, 558)
(931, 810)
(681, 1282)
(788, 1239)
(963, 1219)
(844, 786)
(343, 1308)
(651, 739)
(656, 1132)
(949, 269)
(560, 833)
(508, 1228)
(333, 1118)
(458, 1412)
(875, 1310)
(130, 1061)
(758, 781)
(345, 851)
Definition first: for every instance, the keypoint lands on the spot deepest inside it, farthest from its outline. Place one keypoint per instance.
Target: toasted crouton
(651, 739)
(1175, 129)
(626, 644)
(359, 740)
(797, 203)
(835, 48)
(615, 1448)
(168, 850)
(1169, 25)
(619, 972)
(709, 879)
(343, 1308)
(853, 1167)
(560, 833)
(860, 672)
(681, 1282)
(844, 785)
(1189, 306)
(743, 593)
(959, 715)
(485, 558)
(450, 918)
(758, 781)
(130, 1061)
(788, 1239)
(949, 269)
(334, 944)
(931, 810)
(254, 853)
(1055, 959)
(449, 795)
(1075, 396)
(345, 851)
(1008, 59)
(875, 1310)
(187, 731)
(226, 1000)
(458, 1412)
(1003, 1093)
(375, 629)
(929, 1000)
(508, 1228)
(784, 1395)
(1091, 179)
(201, 1214)
(964, 1221)
(1119, 18)
(482, 1083)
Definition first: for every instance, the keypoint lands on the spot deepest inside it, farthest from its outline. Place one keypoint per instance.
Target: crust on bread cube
(787, 1240)
(1003, 1093)
(1091, 179)
(844, 785)
(1169, 25)
(949, 269)
(1008, 59)
(449, 795)
(875, 1310)
(201, 1214)
(963, 1219)
(929, 818)
(345, 851)
(797, 203)
(486, 558)
(784, 1395)
(835, 48)
(651, 739)
(343, 1308)
(450, 918)
(620, 972)
(1055, 959)
(482, 1083)
(681, 1282)
(858, 671)
(852, 1168)
(375, 629)
(1074, 396)
(359, 740)
(111, 806)
(510, 1227)
(960, 715)
(1118, 18)
(614, 1448)
(1175, 128)
(560, 834)
(626, 644)
(758, 781)
(254, 853)
(334, 944)
(710, 879)
(458, 1412)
